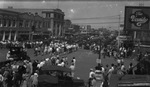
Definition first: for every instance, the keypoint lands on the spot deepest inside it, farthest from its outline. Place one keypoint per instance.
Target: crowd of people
(101, 75)
(24, 73)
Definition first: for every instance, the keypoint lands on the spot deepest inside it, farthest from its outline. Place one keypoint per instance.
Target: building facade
(30, 24)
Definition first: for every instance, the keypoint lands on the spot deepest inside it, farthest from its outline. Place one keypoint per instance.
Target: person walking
(1, 80)
(91, 77)
(34, 79)
(72, 67)
(99, 77)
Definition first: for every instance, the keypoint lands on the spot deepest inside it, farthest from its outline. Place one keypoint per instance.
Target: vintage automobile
(17, 53)
(57, 76)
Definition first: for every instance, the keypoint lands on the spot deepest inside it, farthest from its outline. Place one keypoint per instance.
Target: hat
(35, 74)
(47, 59)
(91, 69)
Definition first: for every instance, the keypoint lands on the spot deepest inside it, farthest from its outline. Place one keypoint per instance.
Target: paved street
(85, 60)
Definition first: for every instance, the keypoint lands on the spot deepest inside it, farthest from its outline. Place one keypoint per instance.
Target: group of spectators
(24, 73)
(101, 75)
(18, 74)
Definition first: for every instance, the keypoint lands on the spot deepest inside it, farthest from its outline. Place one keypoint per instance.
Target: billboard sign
(137, 18)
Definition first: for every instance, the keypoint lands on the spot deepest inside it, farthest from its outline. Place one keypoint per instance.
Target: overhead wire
(105, 17)
(101, 23)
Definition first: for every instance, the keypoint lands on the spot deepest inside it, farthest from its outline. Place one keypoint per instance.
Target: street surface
(85, 60)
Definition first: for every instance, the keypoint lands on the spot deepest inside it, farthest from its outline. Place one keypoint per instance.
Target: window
(21, 23)
(5, 23)
(44, 24)
(14, 23)
(29, 23)
(26, 23)
(52, 15)
(1, 23)
(9, 23)
(39, 24)
(49, 24)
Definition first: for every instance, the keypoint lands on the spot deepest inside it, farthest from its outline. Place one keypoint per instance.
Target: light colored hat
(91, 69)
(47, 59)
(35, 74)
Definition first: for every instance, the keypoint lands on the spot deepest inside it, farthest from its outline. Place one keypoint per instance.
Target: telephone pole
(119, 32)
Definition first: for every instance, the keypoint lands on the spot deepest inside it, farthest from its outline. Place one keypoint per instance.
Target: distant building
(28, 24)
(67, 26)
(76, 28)
(89, 28)
(85, 29)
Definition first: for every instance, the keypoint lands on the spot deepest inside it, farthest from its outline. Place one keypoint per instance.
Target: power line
(101, 23)
(106, 17)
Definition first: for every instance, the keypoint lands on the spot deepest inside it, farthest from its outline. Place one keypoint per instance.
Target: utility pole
(119, 32)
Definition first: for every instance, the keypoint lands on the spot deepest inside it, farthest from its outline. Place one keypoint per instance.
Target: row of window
(57, 16)
(22, 23)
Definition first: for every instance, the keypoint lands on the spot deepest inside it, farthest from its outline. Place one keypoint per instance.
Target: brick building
(30, 24)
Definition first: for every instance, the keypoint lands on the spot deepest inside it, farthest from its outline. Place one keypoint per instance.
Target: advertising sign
(137, 18)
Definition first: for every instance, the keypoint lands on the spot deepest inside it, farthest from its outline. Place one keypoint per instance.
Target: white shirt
(91, 74)
(74, 61)
(72, 67)
(41, 64)
(62, 64)
(99, 75)
(122, 67)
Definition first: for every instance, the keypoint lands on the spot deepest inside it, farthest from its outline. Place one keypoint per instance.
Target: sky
(95, 13)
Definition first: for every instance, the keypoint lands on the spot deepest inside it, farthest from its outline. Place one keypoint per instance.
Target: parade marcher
(34, 79)
(110, 72)
(72, 67)
(130, 70)
(105, 84)
(1, 80)
(91, 77)
(99, 77)
(74, 60)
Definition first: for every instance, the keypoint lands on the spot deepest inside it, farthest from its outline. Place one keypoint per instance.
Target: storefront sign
(139, 18)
